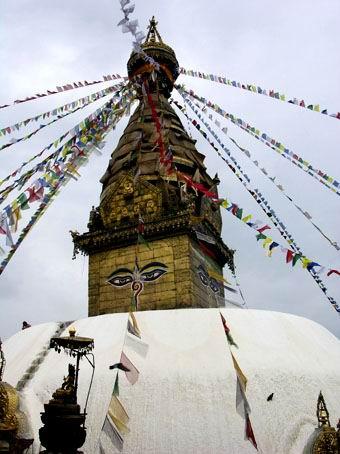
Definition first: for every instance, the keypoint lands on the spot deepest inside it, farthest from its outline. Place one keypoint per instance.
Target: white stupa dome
(184, 399)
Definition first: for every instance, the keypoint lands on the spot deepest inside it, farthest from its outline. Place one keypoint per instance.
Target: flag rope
(257, 164)
(78, 131)
(297, 253)
(106, 123)
(258, 90)
(74, 108)
(305, 166)
(64, 88)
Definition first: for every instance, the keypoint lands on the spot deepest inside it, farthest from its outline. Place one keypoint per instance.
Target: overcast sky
(291, 46)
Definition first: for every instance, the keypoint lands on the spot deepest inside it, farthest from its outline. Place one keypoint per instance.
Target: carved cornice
(167, 226)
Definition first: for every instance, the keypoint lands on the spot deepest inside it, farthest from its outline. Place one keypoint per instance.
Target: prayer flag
(242, 405)
(296, 258)
(116, 386)
(311, 265)
(266, 242)
(262, 229)
(138, 346)
(289, 256)
(133, 326)
(247, 218)
(113, 435)
(249, 432)
(330, 272)
(132, 374)
(243, 379)
(271, 248)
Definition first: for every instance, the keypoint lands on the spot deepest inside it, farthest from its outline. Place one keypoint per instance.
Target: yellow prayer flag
(266, 242)
(247, 218)
(134, 322)
(16, 216)
(122, 428)
(305, 262)
(225, 203)
(72, 169)
(282, 97)
(217, 276)
(116, 410)
(243, 379)
(317, 108)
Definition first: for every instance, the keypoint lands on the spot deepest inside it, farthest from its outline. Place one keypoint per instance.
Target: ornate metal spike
(322, 412)
(2, 361)
(153, 32)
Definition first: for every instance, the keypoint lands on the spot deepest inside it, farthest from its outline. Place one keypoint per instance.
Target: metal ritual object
(64, 425)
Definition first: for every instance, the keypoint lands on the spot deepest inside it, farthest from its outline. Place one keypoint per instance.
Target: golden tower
(153, 242)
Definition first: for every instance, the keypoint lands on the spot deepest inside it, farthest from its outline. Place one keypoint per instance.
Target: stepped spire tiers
(153, 242)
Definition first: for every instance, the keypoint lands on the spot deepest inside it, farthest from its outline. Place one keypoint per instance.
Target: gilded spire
(322, 412)
(153, 32)
(2, 361)
(154, 47)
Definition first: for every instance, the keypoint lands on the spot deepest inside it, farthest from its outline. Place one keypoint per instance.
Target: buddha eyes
(149, 273)
(207, 280)
(204, 279)
(149, 276)
(214, 285)
(120, 281)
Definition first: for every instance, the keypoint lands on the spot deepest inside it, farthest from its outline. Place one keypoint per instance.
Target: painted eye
(214, 285)
(120, 281)
(204, 279)
(149, 276)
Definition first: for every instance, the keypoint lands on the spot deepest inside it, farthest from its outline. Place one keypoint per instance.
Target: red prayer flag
(333, 271)
(262, 229)
(140, 224)
(132, 374)
(249, 432)
(225, 326)
(289, 256)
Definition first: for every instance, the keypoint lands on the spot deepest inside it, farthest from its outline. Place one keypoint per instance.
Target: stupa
(182, 229)
(175, 371)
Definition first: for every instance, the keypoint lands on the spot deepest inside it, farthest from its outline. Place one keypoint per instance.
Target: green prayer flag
(141, 240)
(239, 213)
(296, 258)
(116, 387)
(260, 236)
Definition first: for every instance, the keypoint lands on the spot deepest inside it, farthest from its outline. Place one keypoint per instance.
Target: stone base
(180, 287)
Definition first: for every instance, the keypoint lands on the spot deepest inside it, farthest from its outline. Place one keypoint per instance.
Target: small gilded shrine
(154, 241)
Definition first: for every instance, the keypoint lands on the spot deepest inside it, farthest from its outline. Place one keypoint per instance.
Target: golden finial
(322, 412)
(153, 32)
(72, 331)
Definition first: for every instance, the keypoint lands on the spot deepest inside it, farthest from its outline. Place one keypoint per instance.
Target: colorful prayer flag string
(64, 88)
(101, 125)
(242, 404)
(264, 205)
(328, 181)
(257, 164)
(131, 26)
(258, 90)
(81, 131)
(61, 112)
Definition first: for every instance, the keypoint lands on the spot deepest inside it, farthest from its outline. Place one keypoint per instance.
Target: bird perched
(270, 397)
(120, 366)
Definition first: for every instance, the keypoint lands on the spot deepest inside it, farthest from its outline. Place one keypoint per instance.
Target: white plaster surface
(184, 400)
